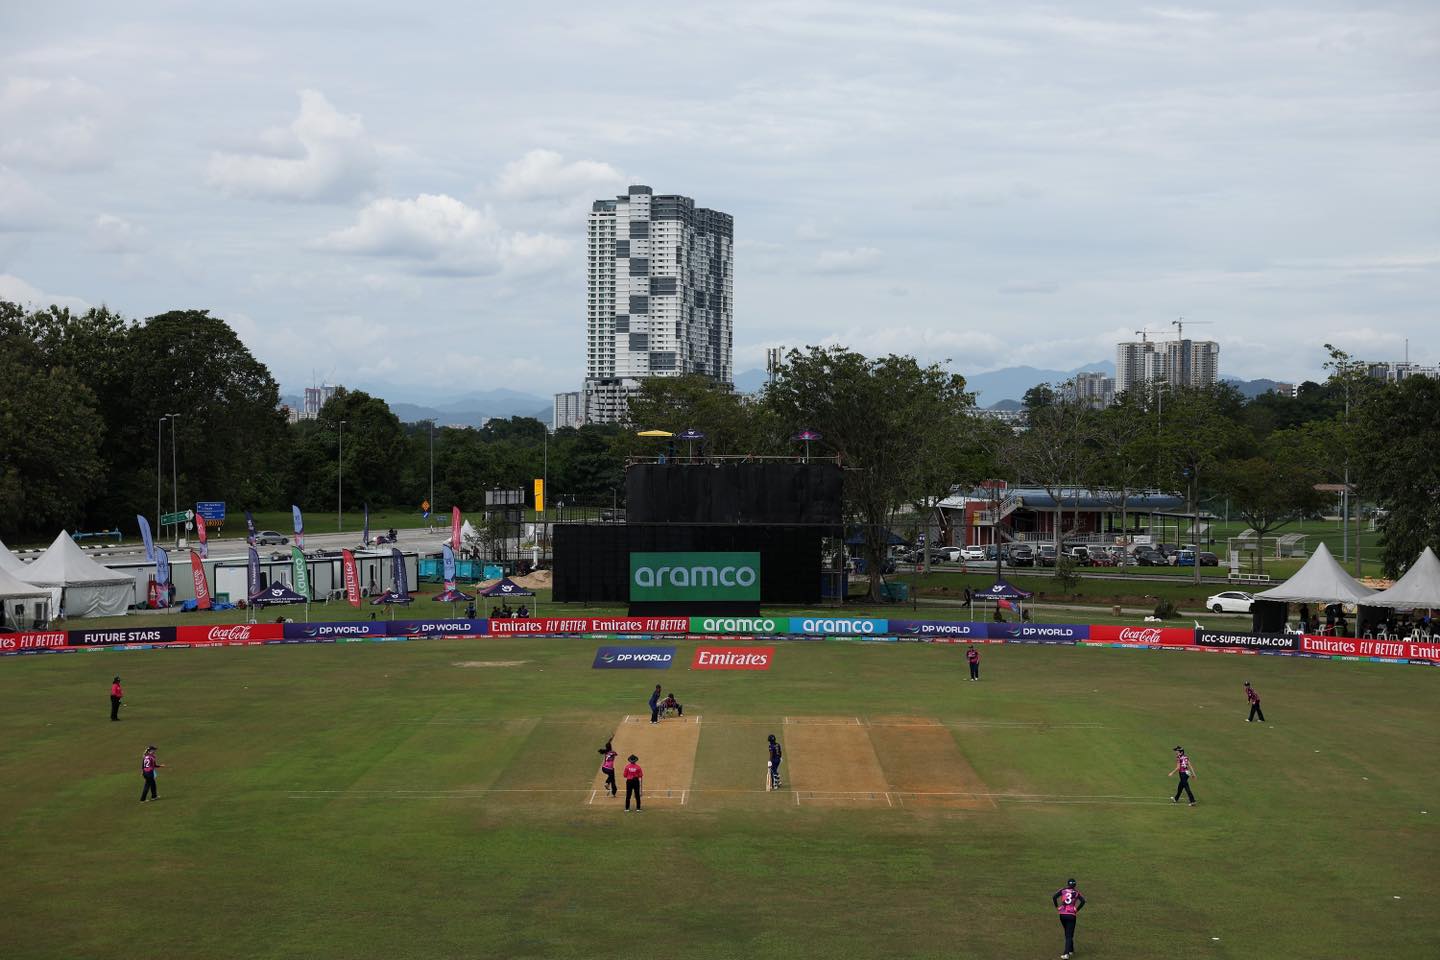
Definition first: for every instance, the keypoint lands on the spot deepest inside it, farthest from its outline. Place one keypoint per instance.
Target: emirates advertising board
(694, 577)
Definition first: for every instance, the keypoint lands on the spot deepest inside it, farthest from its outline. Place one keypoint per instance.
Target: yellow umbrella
(654, 433)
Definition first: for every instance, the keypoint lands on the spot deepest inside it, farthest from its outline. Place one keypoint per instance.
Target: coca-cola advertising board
(1143, 636)
(230, 633)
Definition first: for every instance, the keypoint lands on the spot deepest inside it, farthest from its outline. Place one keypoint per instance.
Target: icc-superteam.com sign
(694, 576)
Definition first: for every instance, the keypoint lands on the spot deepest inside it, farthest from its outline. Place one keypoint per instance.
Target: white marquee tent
(18, 600)
(87, 588)
(1321, 580)
(10, 563)
(1419, 589)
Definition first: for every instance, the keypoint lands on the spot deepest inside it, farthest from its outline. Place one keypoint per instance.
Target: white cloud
(543, 174)
(323, 155)
(57, 125)
(112, 234)
(15, 290)
(440, 234)
(854, 260)
(22, 207)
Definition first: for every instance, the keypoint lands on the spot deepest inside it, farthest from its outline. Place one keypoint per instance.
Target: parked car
(266, 538)
(1045, 557)
(1020, 555)
(945, 555)
(972, 553)
(1104, 558)
(1145, 557)
(1230, 601)
(1208, 559)
(1080, 554)
(992, 552)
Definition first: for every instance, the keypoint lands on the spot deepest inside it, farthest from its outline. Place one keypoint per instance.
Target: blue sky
(394, 196)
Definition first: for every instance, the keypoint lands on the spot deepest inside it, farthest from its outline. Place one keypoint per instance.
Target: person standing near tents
(117, 693)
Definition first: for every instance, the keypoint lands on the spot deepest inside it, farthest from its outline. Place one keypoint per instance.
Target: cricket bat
(769, 780)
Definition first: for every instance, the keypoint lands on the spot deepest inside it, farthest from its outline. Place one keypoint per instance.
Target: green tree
(733, 423)
(50, 432)
(1197, 431)
(1053, 451)
(1399, 427)
(1271, 491)
(898, 428)
(1124, 451)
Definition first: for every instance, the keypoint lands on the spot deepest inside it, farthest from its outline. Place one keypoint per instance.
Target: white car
(972, 553)
(1230, 601)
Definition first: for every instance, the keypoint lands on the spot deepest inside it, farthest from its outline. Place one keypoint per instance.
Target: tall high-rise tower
(659, 297)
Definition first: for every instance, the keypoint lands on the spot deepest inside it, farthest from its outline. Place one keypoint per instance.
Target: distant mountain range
(998, 389)
(469, 409)
(1010, 383)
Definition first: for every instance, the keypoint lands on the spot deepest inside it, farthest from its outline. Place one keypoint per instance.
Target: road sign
(180, 517)
(212, 510)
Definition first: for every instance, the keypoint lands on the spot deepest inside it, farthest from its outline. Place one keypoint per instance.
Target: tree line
(88, 403)
(87, 390)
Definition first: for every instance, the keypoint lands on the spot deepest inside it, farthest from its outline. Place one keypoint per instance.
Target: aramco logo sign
(694, 576)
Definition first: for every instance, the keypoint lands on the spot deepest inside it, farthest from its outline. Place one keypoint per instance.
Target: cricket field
(439, 799)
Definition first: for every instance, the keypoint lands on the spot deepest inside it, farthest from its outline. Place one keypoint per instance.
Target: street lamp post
(340, 482)
(159, 424)
(174, 478)
(432, 465)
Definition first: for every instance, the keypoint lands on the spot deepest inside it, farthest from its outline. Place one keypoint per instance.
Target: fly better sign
(694, 576)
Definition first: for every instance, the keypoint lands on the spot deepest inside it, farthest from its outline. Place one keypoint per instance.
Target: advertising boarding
(694, 577)
(634, 658)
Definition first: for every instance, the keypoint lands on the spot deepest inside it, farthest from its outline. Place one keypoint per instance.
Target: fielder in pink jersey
(1068, 902)
(1254, 699)
(1186, 769)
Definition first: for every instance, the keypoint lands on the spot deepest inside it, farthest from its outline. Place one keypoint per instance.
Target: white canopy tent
(87, 589)
(18, 600)
(1321, 580)
(1419, 589)
(10, 563)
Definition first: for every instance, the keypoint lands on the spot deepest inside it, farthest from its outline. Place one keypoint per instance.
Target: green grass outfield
(381, 800)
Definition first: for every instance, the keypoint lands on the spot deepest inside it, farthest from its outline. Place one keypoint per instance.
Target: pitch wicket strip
(891, 797)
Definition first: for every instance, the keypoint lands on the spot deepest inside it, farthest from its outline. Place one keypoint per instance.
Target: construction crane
(1179, 326)
(1142, 334)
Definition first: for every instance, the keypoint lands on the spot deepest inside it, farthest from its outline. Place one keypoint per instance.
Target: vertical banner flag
(448, 562)
(200, 535)
(197, 574)
(299, 526)
(401, 582)
(352, 577)
(252, 574)
(454, 529)
(299, 573)
(249, 528)
(149, 540)
(365, 533)
(162, 575)
(539, 495)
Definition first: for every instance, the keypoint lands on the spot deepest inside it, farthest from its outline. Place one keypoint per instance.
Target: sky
(394, 196)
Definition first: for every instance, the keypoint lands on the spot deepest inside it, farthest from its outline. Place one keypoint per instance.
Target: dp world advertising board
(687, 577)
